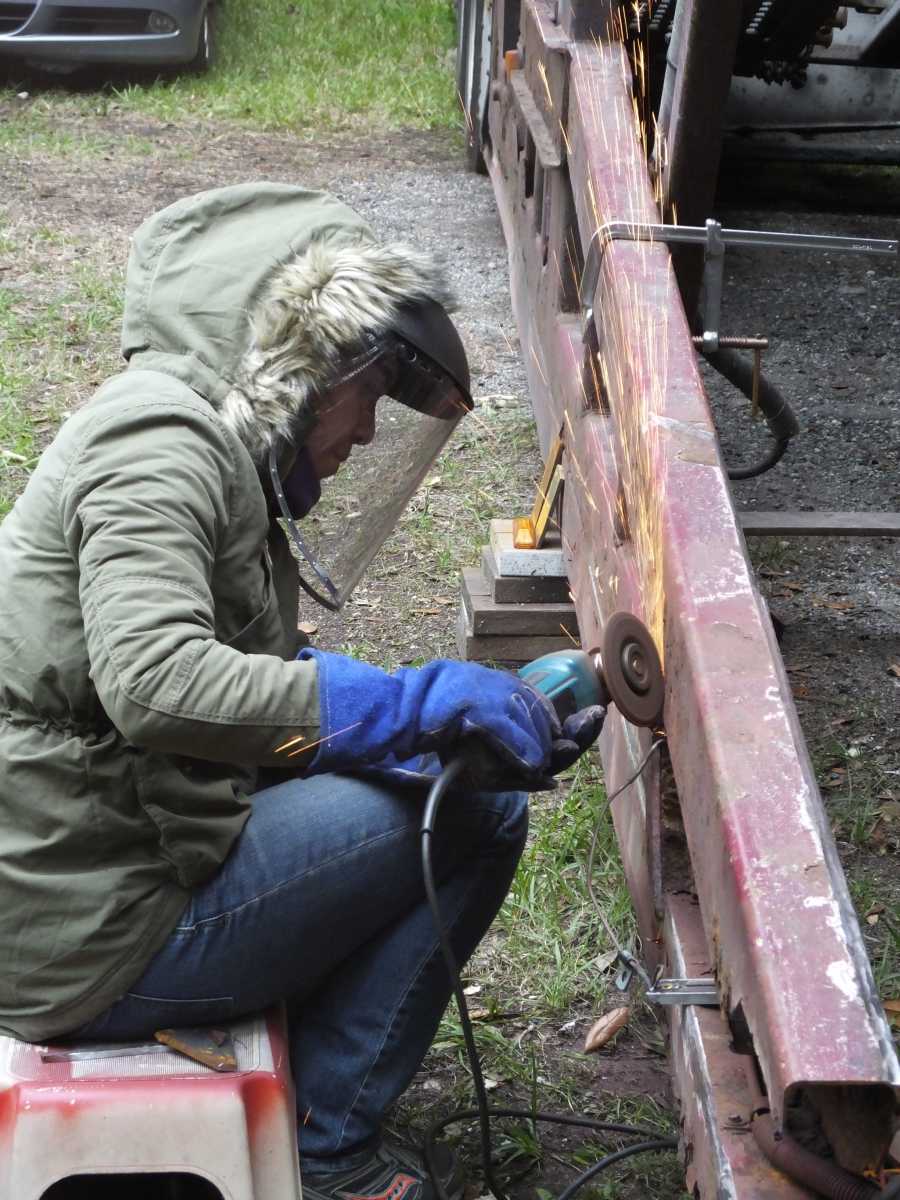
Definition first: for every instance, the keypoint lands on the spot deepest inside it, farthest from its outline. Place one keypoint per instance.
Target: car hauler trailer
(598, 172)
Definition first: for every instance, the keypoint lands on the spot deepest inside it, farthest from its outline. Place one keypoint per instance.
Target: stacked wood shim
(514, 618)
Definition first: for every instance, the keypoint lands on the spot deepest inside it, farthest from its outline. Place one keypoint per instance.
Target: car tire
(203, 59)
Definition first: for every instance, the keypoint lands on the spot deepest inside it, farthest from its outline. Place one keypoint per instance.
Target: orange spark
(300, 738)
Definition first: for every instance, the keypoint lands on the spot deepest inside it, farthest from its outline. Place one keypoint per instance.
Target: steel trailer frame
(752, 891)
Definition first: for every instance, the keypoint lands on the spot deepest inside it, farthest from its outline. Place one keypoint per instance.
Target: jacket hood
(254, 294)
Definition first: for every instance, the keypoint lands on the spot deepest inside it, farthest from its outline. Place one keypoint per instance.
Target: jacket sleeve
(147, 505)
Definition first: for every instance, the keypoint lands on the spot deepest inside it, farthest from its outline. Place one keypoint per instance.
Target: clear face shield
(378, 431)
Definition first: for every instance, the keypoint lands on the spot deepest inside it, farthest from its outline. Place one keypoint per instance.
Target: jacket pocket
(254, 624)
(198, 812)
(263, 633)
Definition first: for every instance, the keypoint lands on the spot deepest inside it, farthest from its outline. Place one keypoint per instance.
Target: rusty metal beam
(649, 526)
(586, 18)
(820, 524)
(720, 1154)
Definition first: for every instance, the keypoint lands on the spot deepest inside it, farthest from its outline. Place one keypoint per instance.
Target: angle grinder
(625, 671)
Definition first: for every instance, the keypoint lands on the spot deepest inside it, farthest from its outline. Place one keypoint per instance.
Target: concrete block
(522, 589)
(548, 561)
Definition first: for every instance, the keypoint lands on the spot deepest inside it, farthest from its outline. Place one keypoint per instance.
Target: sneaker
(392, 1173)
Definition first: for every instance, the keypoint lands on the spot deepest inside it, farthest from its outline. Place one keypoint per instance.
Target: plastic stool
(151, 1112)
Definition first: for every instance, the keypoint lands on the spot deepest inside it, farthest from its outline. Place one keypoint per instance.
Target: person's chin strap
(332, 604)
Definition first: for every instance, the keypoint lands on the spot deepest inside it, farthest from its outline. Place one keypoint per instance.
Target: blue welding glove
(367, 716)
(579, 732)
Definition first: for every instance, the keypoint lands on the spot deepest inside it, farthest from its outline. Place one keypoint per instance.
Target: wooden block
(820, 524)
(490, 619)
(503, 649)
(522, 589)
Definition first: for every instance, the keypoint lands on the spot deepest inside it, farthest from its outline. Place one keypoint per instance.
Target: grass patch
(18, 448)
(477, 478)
(284, 64)
(552, 933)
(768, 554)
(547, 954)
(32, 131)
(858, 792)
(58, 342)
(876, 904)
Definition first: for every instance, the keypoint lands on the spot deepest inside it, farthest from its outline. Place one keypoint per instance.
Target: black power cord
(482, 1110)
(780, 418)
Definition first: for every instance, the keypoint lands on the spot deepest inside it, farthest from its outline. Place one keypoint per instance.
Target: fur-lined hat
(256, 294)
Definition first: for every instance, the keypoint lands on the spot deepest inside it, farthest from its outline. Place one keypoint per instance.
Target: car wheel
(203, 59)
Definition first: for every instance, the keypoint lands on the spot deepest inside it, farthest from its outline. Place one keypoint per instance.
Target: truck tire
(473, 63)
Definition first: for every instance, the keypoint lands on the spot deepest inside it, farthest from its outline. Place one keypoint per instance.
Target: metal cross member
(714, 238)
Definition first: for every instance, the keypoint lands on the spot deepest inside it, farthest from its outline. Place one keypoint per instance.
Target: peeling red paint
(777, 914)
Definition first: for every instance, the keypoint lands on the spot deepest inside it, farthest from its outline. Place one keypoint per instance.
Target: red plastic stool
(134, 1112)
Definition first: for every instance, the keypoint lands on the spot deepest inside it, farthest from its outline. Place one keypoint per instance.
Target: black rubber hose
(526, 1114)
(779, 415)
(617, 1156)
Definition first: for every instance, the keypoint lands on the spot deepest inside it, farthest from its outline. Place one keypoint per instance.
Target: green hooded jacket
(148, 604)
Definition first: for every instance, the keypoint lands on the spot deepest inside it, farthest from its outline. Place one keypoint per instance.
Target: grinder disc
(632, 670)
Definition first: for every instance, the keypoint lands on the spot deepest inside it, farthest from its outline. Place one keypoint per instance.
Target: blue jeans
(321, 904)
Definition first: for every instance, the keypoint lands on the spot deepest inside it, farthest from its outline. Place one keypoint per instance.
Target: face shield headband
(361, 506)
(331, 600)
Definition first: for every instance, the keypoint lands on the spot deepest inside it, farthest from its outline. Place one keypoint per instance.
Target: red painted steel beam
(649, 526)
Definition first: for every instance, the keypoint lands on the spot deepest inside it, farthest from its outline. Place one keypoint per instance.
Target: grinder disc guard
(632, 670)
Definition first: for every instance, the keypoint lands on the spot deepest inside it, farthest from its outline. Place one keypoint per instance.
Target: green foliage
(50, 342)
(304, 64)
(32, 130)
(553, 934)
(857, 789)
(18, 452)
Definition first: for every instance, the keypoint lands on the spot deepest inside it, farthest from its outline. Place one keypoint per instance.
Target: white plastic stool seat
(151, 1113)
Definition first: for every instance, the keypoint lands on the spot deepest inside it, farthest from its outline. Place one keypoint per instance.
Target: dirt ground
(836, 349)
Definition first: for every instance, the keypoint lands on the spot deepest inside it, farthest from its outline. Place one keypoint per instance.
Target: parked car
(65, 34)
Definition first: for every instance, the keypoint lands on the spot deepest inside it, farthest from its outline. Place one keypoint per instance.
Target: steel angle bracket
(648, 526)
(714, 239)
(684, 990)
